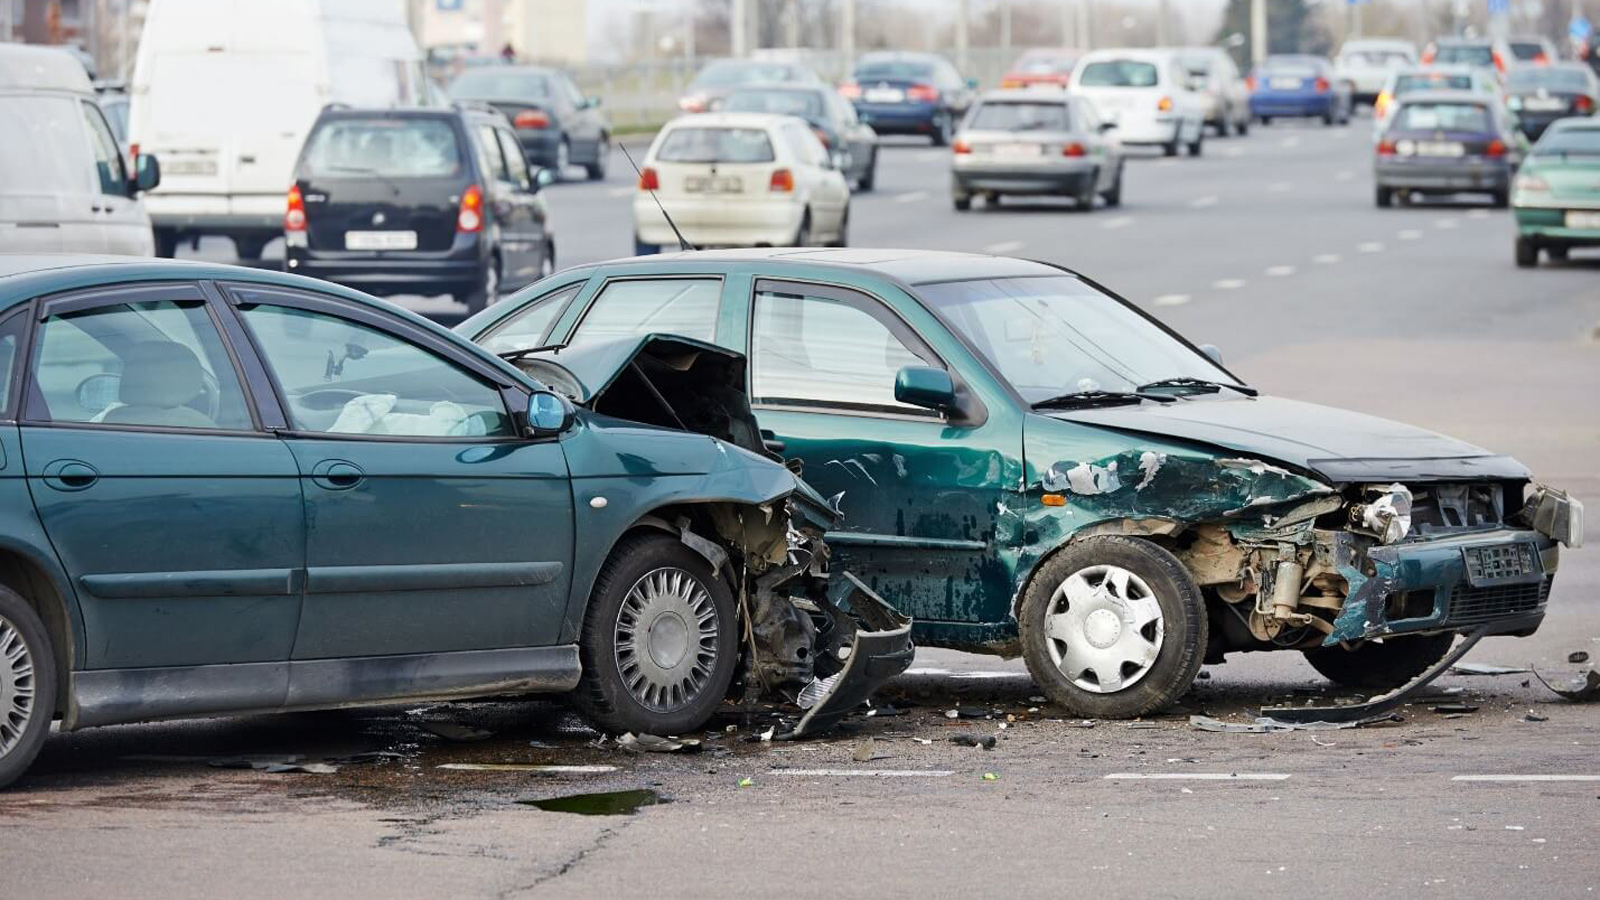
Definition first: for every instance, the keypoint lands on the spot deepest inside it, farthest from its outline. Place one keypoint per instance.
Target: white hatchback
(739, 180)
(1148, 94)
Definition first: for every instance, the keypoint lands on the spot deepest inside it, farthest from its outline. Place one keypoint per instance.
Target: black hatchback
(436, 201)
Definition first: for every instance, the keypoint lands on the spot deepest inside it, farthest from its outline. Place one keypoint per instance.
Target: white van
(63, 183)
(225, 91)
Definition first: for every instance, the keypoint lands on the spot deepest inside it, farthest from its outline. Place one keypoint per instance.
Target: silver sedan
(1035, 143)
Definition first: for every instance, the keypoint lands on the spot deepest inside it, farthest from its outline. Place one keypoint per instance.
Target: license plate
(1501, 564)
(380, 240)
(1583, 219)
(705, 184)
(1440, 148)
(1018, 151)
(1544, 103)
(885, 95)
(1286, 84)
(189, 167)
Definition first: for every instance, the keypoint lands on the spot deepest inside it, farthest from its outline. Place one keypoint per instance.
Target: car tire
(602, 157)
(563, 160)
(166, 241)
(1556, 254)
(1171, 148)
(27, 664)
(487, 290)
(1385, 197)
(942, 128)
(1083, 200)
(1329, 118)
(1265, 120)
(843, 238)
(1156, 589)
(802, 235)
(634, 685)
(869, 178)
(1500, 199)
(1113, 195)
(547, 263)
(1381, 666)
(248, 249)
(1198, 144)
(1527, 253)
(1244, 126)
(961, 202)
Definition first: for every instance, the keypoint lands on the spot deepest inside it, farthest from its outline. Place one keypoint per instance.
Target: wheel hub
(16, 686)
(1104, 628)
(666, 639)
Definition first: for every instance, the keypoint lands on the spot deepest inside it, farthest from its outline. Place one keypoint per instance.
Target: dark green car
(1556, 196)
(1030, 465)
(226, 490)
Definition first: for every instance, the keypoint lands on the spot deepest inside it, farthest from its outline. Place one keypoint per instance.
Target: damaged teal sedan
(1030, 465)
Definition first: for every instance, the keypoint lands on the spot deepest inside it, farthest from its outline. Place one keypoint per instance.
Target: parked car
(1532, 50)
(1447, 142)
(239, 491)
(1539, 95)
(1556, 195)
(225, 92)
(1029, 143)
(909, 93)
(556, 124)
(1040, 467)
(1482, 53)
(720, 77)
(64, 182)
(739, 180)
(418, 202)
(1367, 63)
(1294, 86)
(1147, 94)
(852, 143)
(1430, 78)
(1217, 79)
(1042, 67)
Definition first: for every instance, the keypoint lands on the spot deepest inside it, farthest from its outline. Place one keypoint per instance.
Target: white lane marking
(1003, 247)
(1279, 187)
(1325, 259)
(620, 192)
(1197, 776)
(1228, 284)
(863, 773)
(1289, 142)
(1118, 222)
(911, 197)
(1409, 234)
(1477, 214)
(1370, 247)
(1203, 202)
(1446, 223)
(1344, 175)
(535, 769)
(1280, 271)
(1526, 778)
(1172, 300)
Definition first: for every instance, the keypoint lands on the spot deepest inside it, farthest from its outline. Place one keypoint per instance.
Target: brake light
(531, 118)
(1165, 104)
(1011, 82)
(850, 90)
(1382, 103)
(1322, 85)
(1583, 104)
(469, 218)
(1541, 59)
(1428, 54)
(1499, 62)
(1074, 149)
(923, 93)
(1386, 147)
(1496, 148)
(294, 216)
(648, 180)
(827, 142)
(693, 103)
(1250, 82)
(782, 181)
(961, 147)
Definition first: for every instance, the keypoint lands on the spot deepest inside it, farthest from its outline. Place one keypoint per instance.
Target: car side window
(494, 163)
(515, 160)
(526, 328)
(570, 91)
(107, 155)
(154, 362)
(682, 306)
(11, 333)
(822, 351)
(341, 377)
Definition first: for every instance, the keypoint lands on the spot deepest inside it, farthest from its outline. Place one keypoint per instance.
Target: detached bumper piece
(874, 643)
(1380, 704)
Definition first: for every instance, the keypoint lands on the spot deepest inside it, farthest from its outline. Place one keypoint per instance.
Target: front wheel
(1380, 666)
(659, 643)
(602, 157)
(1385, 197)
(27, 685)
(1527, 253)
(1113, 627)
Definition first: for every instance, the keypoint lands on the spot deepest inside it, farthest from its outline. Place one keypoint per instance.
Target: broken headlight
(1385, 514)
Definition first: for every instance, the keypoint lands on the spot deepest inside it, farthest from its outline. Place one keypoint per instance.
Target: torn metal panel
(1380, 704)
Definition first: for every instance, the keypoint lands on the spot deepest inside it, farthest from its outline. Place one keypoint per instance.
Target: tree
(1292, 27)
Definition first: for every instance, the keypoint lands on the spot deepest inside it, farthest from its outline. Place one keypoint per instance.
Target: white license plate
(1018, 151)
(1583, 219)
(1286, 84)
(1544, 103)
(884, 95)
(1440, 148)
(703, 184)
(380, 240)
(189, 167)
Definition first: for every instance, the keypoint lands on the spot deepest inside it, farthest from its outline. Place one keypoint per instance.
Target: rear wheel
(547, 264)
(1380, 666)
(602, 156)
(166, 242)
(563, 159)
(941, 130)
(1385, 197)
(1113, 196)
(488, 288)
(1266, 120)
(1198, 143)
(869, 177)
(1171, 147)
(1084, 199)
(961, 202)
(1527, 253)
(249, 248)
(843, 237)
(1244, 126)
(1500, 199)
(27, 685)
(802, 237)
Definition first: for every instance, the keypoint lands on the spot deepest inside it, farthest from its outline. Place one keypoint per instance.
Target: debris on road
(990, 776)
(747, 782)
(867, 751)
(1447, 708)
(1578, 656)
(1583, 690)
(652, 743)
(275, 765)
(529, 768)
(986, 741)
(1466, 668)
(1269, 725)
(453, 731)
(1534, 717)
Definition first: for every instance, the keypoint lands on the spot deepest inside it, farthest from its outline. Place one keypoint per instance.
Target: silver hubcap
(666, 639)
(491, 284)
(16, 686)
(562, 155)
(1104, 628)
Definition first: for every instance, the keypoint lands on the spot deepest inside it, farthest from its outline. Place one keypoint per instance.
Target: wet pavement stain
(607, 803)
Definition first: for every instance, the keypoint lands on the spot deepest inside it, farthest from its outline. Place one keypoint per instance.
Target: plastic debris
(1448, 708)
(747, 782)
(1466, 668)
(986, 741)
(276, 765)
(1534, 717)
(1578, 656)
(990, 776)
(1583, 690)
(867, 751)
(452, 731)
(652, 743)
(528, 767)
(1268, 725)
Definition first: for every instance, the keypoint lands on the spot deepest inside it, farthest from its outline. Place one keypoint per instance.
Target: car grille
(1477, 605)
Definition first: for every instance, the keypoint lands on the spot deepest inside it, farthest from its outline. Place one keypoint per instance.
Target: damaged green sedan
(1030, 465)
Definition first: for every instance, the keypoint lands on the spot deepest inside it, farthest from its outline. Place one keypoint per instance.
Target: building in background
(553, 31)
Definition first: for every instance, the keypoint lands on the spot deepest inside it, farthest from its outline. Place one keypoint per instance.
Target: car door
(431, 525)
(125, 226)
(857, 138)
(828, 191)
(533, 213)
(513, 214)
(176, 515)
(581, 118)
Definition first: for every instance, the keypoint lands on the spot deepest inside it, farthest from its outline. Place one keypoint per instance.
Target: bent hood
(1335, 444)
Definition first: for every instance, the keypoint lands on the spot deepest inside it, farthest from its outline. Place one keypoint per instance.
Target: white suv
(1148, 94)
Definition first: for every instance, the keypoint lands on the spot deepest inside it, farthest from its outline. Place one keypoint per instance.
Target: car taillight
(1583, 104)
(469, 218)
(1428, 54)
(1499, 62)
(923, 93)
(1074, 149)
(1165, 104)
(1496, 148)
(294, 216)
(1322, 85)
(827, 142)
(1250, 82)
(531, 118)
(961, 147)
(782, 181)
(1011, 82)
(1386, 147)
(693, 103)
(850, 90)
(1541, 60)
(648, 180)
(1382, 103)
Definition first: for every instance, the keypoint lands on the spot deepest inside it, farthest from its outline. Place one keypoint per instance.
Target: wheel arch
(1158, 530)
(43, 588)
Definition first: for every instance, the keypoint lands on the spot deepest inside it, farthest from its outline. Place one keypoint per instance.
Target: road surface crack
(600, 840)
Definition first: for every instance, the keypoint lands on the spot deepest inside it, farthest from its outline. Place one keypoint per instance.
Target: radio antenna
(683, 244)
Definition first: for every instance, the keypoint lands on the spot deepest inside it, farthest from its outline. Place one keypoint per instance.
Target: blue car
(1297, 86)
(909, 93)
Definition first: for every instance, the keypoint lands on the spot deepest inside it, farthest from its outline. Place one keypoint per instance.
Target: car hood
(1336, 444)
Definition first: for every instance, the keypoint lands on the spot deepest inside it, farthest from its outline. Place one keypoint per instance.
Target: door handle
(70, 475)
(772, 443)
(337, 474)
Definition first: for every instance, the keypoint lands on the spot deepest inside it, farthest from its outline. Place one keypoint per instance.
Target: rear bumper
(1000, 179)
(393, 272)
(1290, 107)
(719, 223)
(1158, 129)
(1549, 223)
(1466, 175)
(899, 118)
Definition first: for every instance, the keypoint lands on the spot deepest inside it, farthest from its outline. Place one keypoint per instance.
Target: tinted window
(390, 148)
(1119, 73)
(805, 104)
(116, 110)
(1479, 55)
(526, 328)
(107, 155)
(1569, 142)
(1526, 50)
(899, 69)
(1021, 117)
(817, 351)
(704, 145)
(1406, 83)
(44, 149)
(515, 159)
(147, 363)
(683, 306)
(494, 165)
(341, 377)
(489, 84)
(1443, 117)
(1535, 77)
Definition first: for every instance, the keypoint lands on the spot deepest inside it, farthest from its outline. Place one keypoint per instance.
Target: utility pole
(1084, 33)
(1163, 39)
(847, 33)
(791, 23)
(688, 32)
(961, 35)
(739, 25)
(1258, 31)
(1005, 32)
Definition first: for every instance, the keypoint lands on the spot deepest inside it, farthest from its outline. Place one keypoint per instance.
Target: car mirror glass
(549, 414)
(543, 179)
(926, 387)
(147, 173)
(1212, 353)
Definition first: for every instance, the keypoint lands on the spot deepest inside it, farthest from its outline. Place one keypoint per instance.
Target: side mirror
(591, 102)
(549, 414)
(543, 179)
(972, 83)
(1212, 353)
(1107, 126)
(926, 387)
(147, 173)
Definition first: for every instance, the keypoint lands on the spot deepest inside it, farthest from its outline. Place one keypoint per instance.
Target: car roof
(914, 55)
(728, 120)
(1473, 98)
(1140, 54)
(29, 68)
(793, 87)
(1376, 42)
(1578, 123)
(907, 266)
(1030, 94)
(1463, 42)
(1440, 69)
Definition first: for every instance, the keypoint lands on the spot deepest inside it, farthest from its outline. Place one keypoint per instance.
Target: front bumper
(1551, 223)
(1058, 178)
(879, 648)
(1444, 176)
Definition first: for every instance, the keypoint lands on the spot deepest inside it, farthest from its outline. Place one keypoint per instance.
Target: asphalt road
(1268, 246)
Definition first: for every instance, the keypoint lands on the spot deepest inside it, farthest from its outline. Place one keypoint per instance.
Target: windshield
(392, 148)
(1021, 117)
(487, 83)
(1574, 141)
(1053, 334)
(1037, 63)
(900, 69)
(721, 145)
(1290, 68)
(1443, 117)
(729, 74)
(1559, 79)
(1465, 54)
(805, 104)
(1119, 73)
(1433, 81)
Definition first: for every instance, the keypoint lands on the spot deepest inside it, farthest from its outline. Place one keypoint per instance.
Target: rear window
(1119, 73)
(1034, 63)
(904, 70)
(1465, 55)
(1406, 83)
(1569, 141)
(45, 150)
(1526, 50)
(1443, 117)
(1021, 117)
(488, 84)
(805, 104)
(1529, 79)
(720, 145)
(728, 74)
(388, 148)
(1375, 57)
(1289, 69)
